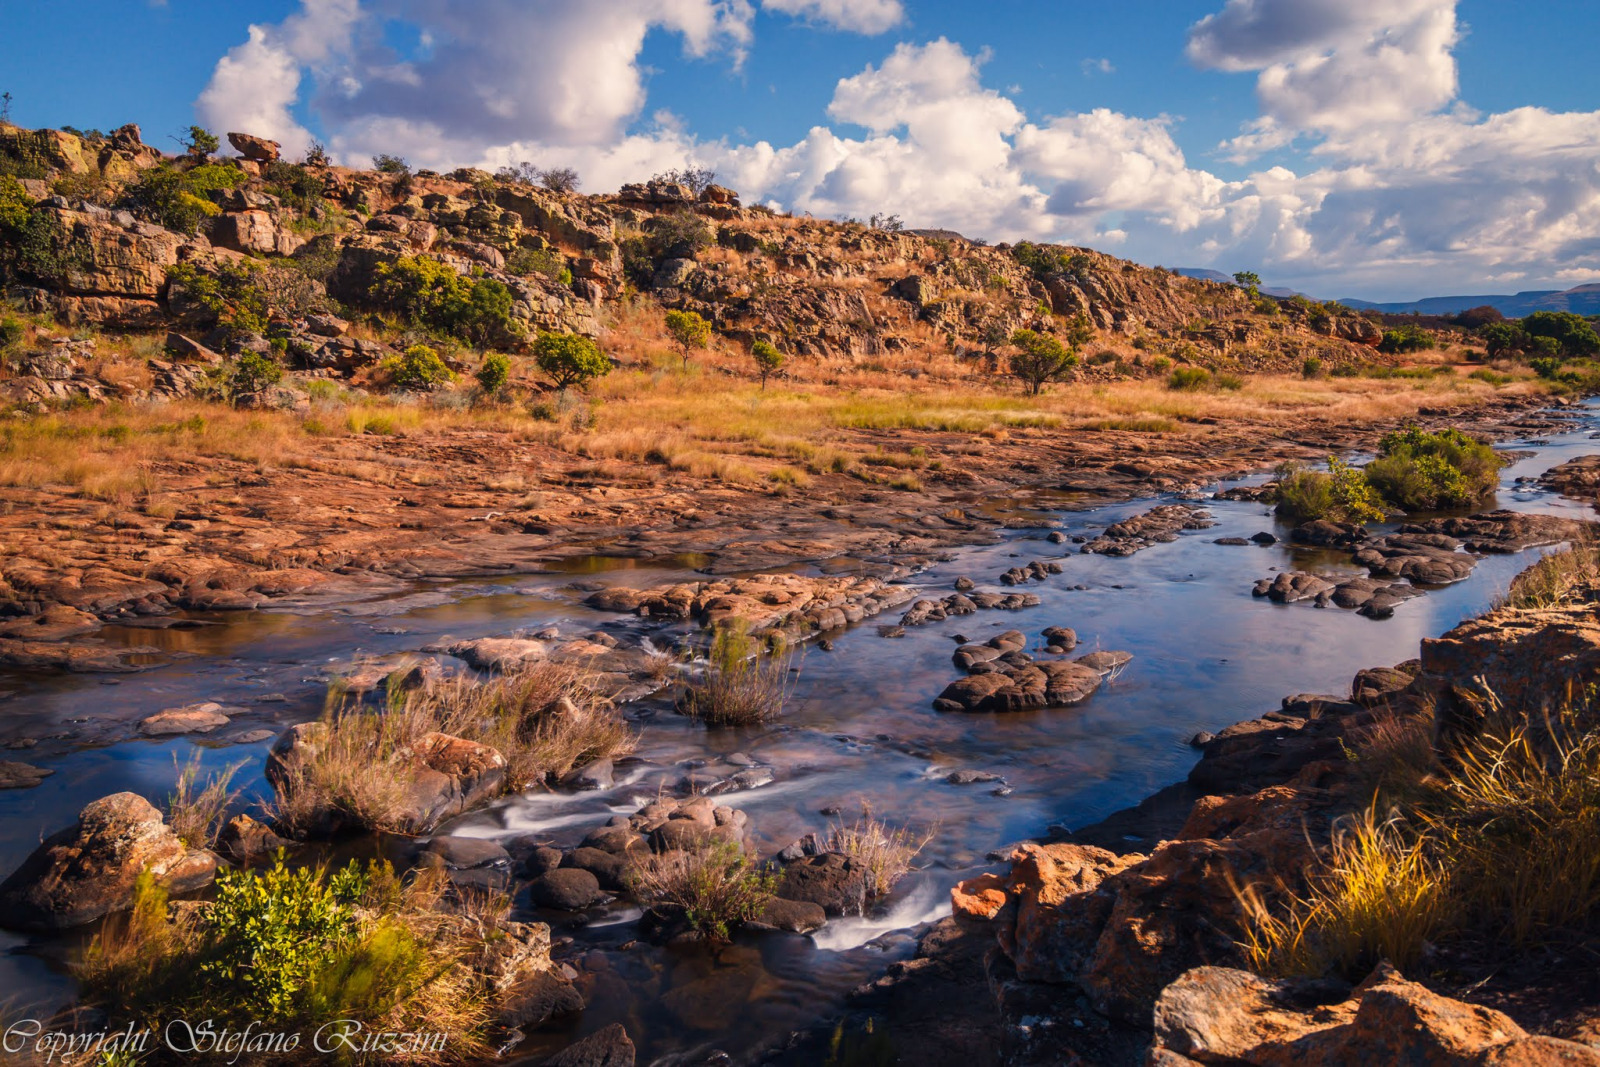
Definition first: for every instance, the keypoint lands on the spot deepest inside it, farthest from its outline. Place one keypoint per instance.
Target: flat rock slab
(190, 719)
(15, 775)
(1156, 526)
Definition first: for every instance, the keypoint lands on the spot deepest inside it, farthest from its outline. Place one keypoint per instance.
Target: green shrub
(493, 372)
(1189, 378)
(1404, 339)
(251, 372)
(231, 294)
(15, 206)
(1421, 471)
(569, 359)
(294, 184)
(688, 331)
(418, 367)
(476, 309)
(1230, 382)
(178, 199)
(202, 142)
(1042, 260)
(1484, 374)
(768, 360)
(1040, 358)
(1573, 334)
(384, 163)
(1311, 368)
(1341, 494)
(546, 261)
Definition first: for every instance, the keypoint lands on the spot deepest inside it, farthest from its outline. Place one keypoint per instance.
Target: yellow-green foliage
(1341, 493)
(426, 291)
(714, 888)
(1421, 471)
(418, 367)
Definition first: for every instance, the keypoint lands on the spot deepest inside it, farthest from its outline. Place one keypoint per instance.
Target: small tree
(493, 373)
(317, 156)
(698, 179)
(689, 331)
(1248, 280)
(419, 367)
(569, 359)
(1040, 358)
(202, 142)
(384, 163)
(559, 179)
(768, 360)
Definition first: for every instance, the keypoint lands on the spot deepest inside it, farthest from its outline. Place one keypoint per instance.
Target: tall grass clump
(714, 888)
(886, 852)
(196, 812)
(739, 686)
(1559, 578)
(1379, 896)
(289, 950)
(543, 719)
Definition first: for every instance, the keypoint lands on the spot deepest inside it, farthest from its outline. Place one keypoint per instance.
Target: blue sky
(1370, 148)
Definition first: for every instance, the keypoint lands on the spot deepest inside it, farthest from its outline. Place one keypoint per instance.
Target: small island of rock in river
(493, 572)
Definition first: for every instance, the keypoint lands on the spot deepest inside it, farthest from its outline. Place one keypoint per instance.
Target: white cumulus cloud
(859, 16)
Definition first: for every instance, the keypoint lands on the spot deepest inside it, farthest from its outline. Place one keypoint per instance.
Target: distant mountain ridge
(1581, 299)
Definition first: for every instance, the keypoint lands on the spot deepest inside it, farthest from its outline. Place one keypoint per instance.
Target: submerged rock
(89, 869)
(1156, 526)
(190, 719)
(609, 1047)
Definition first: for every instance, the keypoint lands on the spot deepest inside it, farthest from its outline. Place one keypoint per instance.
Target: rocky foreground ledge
(1119, 944)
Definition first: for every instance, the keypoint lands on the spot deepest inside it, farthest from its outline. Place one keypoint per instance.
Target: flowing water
(859, 732)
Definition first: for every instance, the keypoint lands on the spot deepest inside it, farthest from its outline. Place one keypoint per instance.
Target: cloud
(857, 16)
(1331, 66)
(1400, 181)
(1097, 66)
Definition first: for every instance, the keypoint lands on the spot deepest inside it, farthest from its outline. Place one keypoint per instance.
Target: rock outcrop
(89, 869)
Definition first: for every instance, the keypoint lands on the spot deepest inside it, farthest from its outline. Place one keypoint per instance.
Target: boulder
(567, 889)
(494, 653)
(832, 880)
(110, 259)
(246, 841)
(255, 148)
(791, 916)
(254, 233)
(609, 1047)
(469, 862)
(1059, 913)
(15, 775)
(447, 776)
(88, 870)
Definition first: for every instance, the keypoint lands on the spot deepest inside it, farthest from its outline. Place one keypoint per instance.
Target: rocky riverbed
(1105, 668)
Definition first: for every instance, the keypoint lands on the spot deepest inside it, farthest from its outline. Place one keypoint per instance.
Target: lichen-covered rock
(89, 869)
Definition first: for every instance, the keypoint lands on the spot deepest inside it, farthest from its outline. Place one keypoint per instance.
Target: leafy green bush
(1421, 471)
(1189, 378)
(1572, 333)
(678, 234)
(569, 359)
(384, 163)
(294, 184)
(1231, 382)
(178, 199)
(688, 331)
(253, 371)
(1040, 358)
(1041, 259)
(768, 360)
(1341, 494)
(474, 308)
(493, 372)
(1406, 338)
(418, 367)
(231, 294)
(1311, 368)
(202, 142)
(546, 261)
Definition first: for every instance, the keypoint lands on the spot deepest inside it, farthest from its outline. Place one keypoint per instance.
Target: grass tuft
(739, 686)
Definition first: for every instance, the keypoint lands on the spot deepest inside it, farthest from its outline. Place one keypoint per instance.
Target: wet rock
(1374, 686)
(610, 869)
(596, 775)
(1157, 526)
(15, 775)
(968, 777)
(56, 623)
(1329, 534)
(1428, 559)
(609, 1047)
(1022, 687)
(567, 889)
(502, 654)
(1060, 639)
(965, 585)
(469, 862)
(791, 916)
(1292, 586)
(1503, 532)
(1234, 541)
(74, 658)
(832, 880)
(89, 869)
(525, 986)
(247, 842)
(1264, 538)
(1577, 478)
(764, 601)
(190, 719)
(1059, 915)
(1105, 661)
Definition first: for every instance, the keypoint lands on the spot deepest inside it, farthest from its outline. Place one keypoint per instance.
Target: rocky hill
(109, 231)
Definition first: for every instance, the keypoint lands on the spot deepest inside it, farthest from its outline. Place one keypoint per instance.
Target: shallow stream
(859, 731)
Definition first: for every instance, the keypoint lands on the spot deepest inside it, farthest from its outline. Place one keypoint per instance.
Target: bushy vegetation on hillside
(476, 308)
